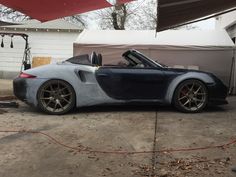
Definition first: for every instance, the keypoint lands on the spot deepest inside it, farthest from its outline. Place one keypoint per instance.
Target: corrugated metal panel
(172, 13)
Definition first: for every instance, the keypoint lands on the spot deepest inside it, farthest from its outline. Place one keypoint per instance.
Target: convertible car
(84, 81)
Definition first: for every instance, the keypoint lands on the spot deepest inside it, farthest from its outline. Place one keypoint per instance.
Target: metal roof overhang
(173, 13)
(46, 10)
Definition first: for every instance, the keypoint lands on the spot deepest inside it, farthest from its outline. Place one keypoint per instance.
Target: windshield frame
(141, 57)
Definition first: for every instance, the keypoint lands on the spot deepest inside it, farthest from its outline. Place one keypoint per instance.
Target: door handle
(103, 75)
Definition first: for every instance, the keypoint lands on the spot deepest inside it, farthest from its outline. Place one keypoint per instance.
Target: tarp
(178, 38)
(45, 10)
(172, 13)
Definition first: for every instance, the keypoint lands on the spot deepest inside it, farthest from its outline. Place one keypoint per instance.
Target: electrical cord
(114, 152)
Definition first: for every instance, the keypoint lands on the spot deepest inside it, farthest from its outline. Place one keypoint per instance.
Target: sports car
(84, 81)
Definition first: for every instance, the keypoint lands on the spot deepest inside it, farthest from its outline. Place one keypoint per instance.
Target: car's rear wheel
(56, 97)
(191, 96)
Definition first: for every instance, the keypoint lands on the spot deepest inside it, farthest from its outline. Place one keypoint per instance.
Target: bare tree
(144, 15)
(119, 16)
(112, 18)
(11, 15)
(80, 20)
(137, 15)
(140, 14)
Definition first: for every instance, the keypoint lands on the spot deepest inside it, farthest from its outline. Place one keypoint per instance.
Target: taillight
(25, 75)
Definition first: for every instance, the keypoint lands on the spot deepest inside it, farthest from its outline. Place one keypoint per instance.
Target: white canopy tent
(210, 51)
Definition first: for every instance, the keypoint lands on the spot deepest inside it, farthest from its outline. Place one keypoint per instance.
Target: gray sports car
(84, 81)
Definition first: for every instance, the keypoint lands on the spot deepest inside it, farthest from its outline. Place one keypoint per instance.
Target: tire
(191, 96)
(56, 97)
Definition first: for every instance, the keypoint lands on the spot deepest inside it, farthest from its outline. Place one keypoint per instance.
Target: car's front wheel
(56, 97)
(191, 96)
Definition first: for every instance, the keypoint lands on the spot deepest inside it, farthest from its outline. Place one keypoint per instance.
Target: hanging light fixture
(2, 43)
(11, 42)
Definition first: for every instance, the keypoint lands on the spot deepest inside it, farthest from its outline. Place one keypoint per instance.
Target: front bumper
(217, 94)
(217, 102)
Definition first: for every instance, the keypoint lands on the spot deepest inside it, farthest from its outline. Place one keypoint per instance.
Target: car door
(132, 83)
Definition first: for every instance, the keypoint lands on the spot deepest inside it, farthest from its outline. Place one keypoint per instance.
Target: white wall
(58, 45)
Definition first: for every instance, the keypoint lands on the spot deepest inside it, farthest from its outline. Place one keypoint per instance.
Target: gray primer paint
(88, 93)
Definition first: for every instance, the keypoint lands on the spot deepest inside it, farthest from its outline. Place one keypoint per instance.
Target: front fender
(205, 78)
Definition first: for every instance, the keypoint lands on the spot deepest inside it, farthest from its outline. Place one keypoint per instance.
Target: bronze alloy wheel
(56, 97)
(191, 96)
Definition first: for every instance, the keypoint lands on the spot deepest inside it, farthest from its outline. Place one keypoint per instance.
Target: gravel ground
(118, 128)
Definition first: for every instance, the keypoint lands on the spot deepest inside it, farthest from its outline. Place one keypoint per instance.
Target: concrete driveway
(6, 88)
(118, 128)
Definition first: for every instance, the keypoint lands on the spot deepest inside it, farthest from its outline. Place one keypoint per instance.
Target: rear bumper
(25, 89)
(20, 88)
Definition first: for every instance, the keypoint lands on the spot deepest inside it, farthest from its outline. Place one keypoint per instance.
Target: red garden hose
(123, 152)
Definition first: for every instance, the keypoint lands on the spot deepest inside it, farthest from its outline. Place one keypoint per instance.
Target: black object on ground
(234, 169)
(5, 104)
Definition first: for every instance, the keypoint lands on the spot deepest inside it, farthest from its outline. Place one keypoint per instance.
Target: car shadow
(129, 108)
(120, 108)
(139, 108)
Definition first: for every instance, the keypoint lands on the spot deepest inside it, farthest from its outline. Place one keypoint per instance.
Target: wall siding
(58, 45)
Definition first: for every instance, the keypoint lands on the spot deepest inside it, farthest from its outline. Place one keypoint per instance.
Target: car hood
(182, 71)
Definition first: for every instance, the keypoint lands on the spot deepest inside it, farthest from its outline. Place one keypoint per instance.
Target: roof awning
(45, 10)
(173, 13)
